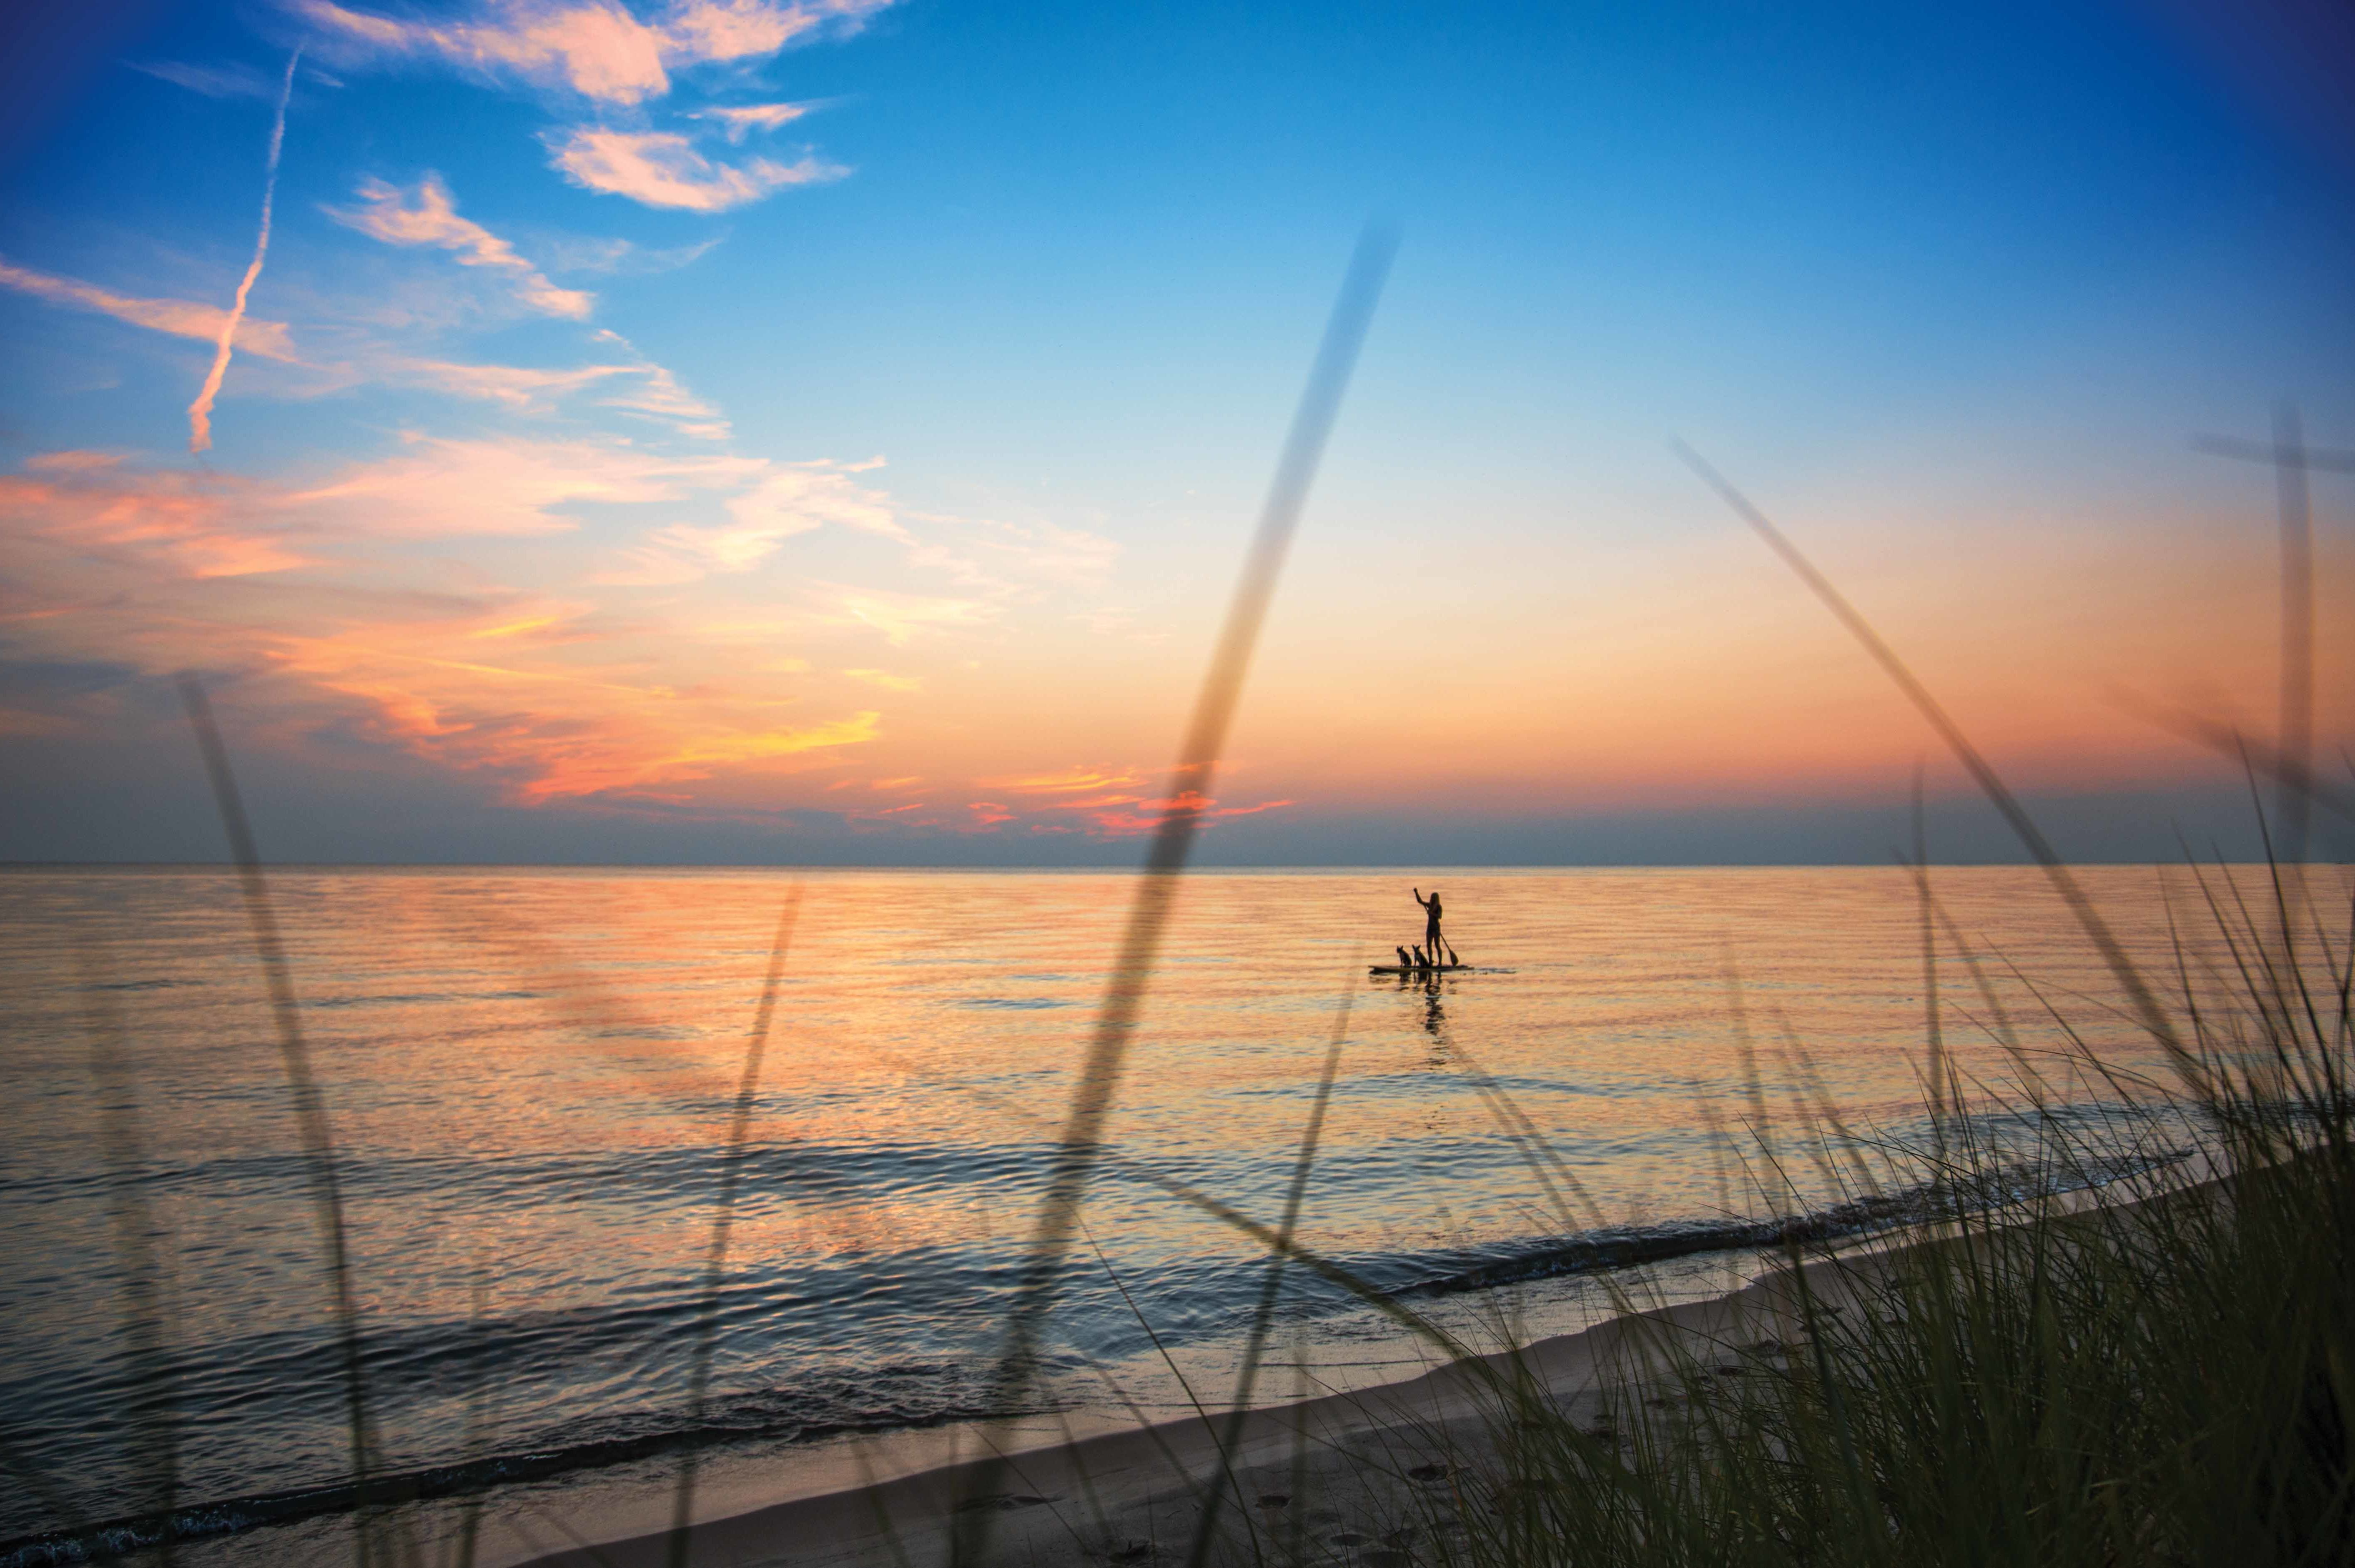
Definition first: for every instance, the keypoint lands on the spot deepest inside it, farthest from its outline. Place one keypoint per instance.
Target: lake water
(528, 1075)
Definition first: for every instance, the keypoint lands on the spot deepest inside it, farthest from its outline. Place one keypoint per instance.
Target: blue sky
(1945, 291)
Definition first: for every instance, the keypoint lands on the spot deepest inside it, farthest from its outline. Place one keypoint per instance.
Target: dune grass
(2157, 1367)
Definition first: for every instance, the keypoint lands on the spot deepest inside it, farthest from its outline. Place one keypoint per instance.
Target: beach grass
(2149, 1360)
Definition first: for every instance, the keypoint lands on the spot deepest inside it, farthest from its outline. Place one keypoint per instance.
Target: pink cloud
(661, 168)
(741, 119)
(597, 49)
(523, 389)
(181, 318)
(658, 396)
(429, 216)
(441, 487)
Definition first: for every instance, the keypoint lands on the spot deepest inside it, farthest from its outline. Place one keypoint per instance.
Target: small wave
(754, 1418)
(1629, 1247)
(1012, 1003)
(416, 999)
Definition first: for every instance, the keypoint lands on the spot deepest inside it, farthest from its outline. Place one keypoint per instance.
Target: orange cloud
(1149, 815)
(191, 524)
(554, 697)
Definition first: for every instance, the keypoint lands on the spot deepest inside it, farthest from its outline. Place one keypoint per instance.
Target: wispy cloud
(794, 499)
(661, 168)
(1127, 819)
(232, 79)
(511, 486)
(524, 389)
(200, 411)
(902, 617)
(427, 215)
(658, 396)
(622, 259)
(981, 550)
(181, 318)
(739, 120)
(636, 386)
(599, 49)
(1081, 781)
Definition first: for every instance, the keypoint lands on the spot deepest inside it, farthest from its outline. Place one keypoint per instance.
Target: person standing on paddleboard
(1430, 922)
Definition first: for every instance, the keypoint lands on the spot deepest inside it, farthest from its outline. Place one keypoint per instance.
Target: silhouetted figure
(1419, 961)
(1430, 922)
(1404, 962)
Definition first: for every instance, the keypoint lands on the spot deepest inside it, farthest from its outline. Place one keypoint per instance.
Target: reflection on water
(529, 1074)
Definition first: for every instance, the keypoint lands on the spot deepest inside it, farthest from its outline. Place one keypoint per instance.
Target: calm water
(529, 1074)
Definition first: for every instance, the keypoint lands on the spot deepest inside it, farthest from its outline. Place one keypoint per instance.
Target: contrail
(200, 412)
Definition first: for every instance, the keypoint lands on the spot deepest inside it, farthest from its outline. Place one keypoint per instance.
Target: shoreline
(1114, 1484)
(1356, 1468)
(1357, 1464)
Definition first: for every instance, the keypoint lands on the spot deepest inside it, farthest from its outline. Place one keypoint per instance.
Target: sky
(827, 431)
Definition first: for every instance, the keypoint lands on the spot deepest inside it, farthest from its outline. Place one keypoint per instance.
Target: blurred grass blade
(2296, 518)
(310, 1105)
(1272, 1285)
(154, 1401)
(1190, 793)
(731, 1170)
(2121, 966)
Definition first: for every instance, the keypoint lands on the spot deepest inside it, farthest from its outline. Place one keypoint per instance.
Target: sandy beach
(1354, 1477)
(1347, 1476)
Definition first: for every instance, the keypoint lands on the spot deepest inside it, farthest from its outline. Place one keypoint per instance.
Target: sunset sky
(827, 431)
